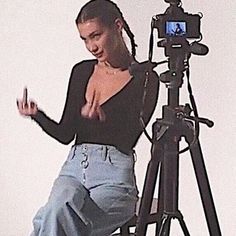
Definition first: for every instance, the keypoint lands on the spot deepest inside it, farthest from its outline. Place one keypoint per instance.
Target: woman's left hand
(92, 110)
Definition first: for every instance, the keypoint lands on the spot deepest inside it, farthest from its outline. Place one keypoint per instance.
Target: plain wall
(39, 44)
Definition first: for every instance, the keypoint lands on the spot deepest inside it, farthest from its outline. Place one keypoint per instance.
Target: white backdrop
(39, 44)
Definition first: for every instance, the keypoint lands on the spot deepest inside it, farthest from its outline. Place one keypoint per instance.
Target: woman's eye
(96, 36)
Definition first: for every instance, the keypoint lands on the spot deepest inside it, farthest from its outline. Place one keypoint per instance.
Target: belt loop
(108, 155)
(103, 152)
(73, 147)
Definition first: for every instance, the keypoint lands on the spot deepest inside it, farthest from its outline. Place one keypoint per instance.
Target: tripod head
(174, 28)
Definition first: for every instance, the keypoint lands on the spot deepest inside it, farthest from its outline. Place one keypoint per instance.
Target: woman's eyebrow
(90, 35)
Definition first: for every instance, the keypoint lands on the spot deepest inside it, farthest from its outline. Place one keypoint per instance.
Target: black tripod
(167, 133)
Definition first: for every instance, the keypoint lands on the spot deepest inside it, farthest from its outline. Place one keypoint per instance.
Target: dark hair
(107, 12)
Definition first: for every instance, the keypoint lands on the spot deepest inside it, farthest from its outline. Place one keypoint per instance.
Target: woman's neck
(122, 60)
(120, 64)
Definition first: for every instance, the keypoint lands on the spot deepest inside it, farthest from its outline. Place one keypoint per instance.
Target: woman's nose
(92, 47)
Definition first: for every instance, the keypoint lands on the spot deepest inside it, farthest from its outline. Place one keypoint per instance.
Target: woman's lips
(98, 55)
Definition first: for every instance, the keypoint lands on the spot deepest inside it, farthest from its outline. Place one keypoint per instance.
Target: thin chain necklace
(109, 70)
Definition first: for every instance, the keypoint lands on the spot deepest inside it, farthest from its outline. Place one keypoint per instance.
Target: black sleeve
(64, 131)
(149, 96)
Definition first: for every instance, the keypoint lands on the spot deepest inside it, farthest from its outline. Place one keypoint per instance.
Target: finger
(85, 110)
(20, 107)
(92, 114)
(19, 104)
(32, 104)
(101, 114)
(92, 104)
(25, 96)
(25, 106)
(33, 107)
(96, 100)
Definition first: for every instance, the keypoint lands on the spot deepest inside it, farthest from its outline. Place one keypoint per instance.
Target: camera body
(175, 23)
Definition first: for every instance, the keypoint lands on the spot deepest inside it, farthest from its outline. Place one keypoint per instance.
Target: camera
(175, 23)
(174, 28)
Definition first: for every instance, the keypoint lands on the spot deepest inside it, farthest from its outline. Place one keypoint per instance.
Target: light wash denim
(94, 194)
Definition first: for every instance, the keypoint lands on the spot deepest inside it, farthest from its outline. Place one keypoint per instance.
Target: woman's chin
(101, 59)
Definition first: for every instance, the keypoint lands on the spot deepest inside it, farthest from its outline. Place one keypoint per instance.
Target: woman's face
(102, 41)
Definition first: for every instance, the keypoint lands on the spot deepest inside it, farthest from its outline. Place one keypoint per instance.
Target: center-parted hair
(107, 12)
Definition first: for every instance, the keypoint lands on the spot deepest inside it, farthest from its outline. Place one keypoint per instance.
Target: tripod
(164, 162)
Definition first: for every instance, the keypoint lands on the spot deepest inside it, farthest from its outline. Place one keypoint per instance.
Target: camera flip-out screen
(176, 28)
(183, 25)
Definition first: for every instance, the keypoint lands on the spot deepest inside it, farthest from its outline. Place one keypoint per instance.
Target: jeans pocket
(121, 160)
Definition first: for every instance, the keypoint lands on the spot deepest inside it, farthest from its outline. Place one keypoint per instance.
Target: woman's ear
(119, 24)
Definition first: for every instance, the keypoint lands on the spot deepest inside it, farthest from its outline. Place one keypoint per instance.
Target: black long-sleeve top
(122, 126)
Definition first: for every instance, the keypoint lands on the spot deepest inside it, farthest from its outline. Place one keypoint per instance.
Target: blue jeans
(94, 194)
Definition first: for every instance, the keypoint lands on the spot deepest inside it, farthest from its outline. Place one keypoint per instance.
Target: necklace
(112, 72)
(109, 70)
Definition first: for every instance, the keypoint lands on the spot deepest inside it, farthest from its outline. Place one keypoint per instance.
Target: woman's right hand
(25, 107)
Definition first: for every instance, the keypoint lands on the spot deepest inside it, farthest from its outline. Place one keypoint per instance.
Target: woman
(96, 192)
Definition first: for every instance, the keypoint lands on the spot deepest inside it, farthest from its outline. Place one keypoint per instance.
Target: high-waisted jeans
(94, 194)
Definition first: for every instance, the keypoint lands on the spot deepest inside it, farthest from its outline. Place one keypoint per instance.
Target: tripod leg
(165, 226)
(171, 189)
(204, 188)
(183, 225)
(160, 206)
(148, 191)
